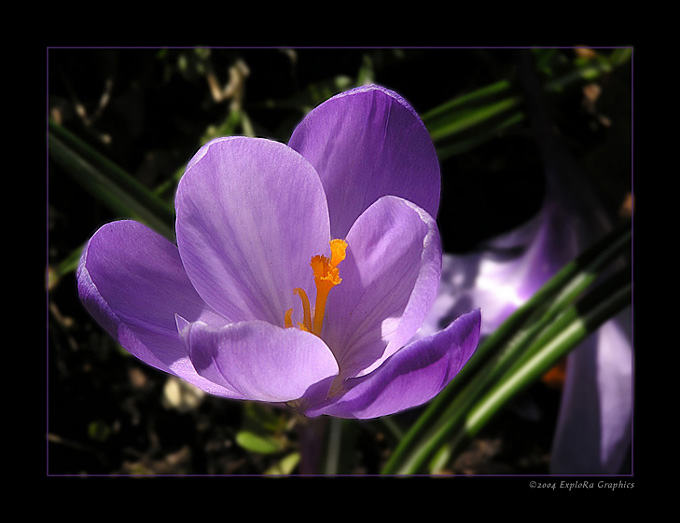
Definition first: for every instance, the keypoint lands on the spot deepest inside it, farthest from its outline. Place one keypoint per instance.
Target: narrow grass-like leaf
(474, 409)
(501, 87)
(506, 345)
(470, 119)
(572, 328)
(463, 144)
(466, 118)
(118, 190)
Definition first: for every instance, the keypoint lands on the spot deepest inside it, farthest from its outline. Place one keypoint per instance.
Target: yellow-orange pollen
(326, 276)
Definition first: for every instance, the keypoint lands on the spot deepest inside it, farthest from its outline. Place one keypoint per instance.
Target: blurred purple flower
(345, 210)
(594, 426)
(593, 433)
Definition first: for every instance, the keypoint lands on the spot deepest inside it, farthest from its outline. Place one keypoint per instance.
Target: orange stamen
(288, 322)
(307, 319)
(326, 276)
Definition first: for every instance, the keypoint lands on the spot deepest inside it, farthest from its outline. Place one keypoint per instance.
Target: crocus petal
(250, 215)
(261, 361)
(132, 282)
(366, 143)
(410, 377)
(389, 280)
(593, 434)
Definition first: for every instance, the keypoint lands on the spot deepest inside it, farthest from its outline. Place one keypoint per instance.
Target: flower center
(326, 276)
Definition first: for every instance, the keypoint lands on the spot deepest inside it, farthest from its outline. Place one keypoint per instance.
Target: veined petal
(250, 215)
(410, 377)
(132, 282)
(366, 143)
(389, 281)
(261, 361)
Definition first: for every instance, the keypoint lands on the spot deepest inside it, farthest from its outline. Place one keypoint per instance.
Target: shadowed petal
(132, 281)
(261, 361)
(410, 377)
(595, 421)
(593, 434)
(366, 143)
(250, 215)
(389, 280)
(501, 274)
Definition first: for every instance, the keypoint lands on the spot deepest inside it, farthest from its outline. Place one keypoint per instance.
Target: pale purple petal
(410, 377)
(389, 280)
(593, 434)
(366, 143)
(132, 281)
(261, 361)
(250, 215)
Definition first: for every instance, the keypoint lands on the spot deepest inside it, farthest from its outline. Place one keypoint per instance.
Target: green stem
(333, 448)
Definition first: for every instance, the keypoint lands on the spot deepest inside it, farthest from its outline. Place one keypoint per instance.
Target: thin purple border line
(631, 47)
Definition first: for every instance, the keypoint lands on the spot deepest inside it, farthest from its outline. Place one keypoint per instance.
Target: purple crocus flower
(300, 272)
